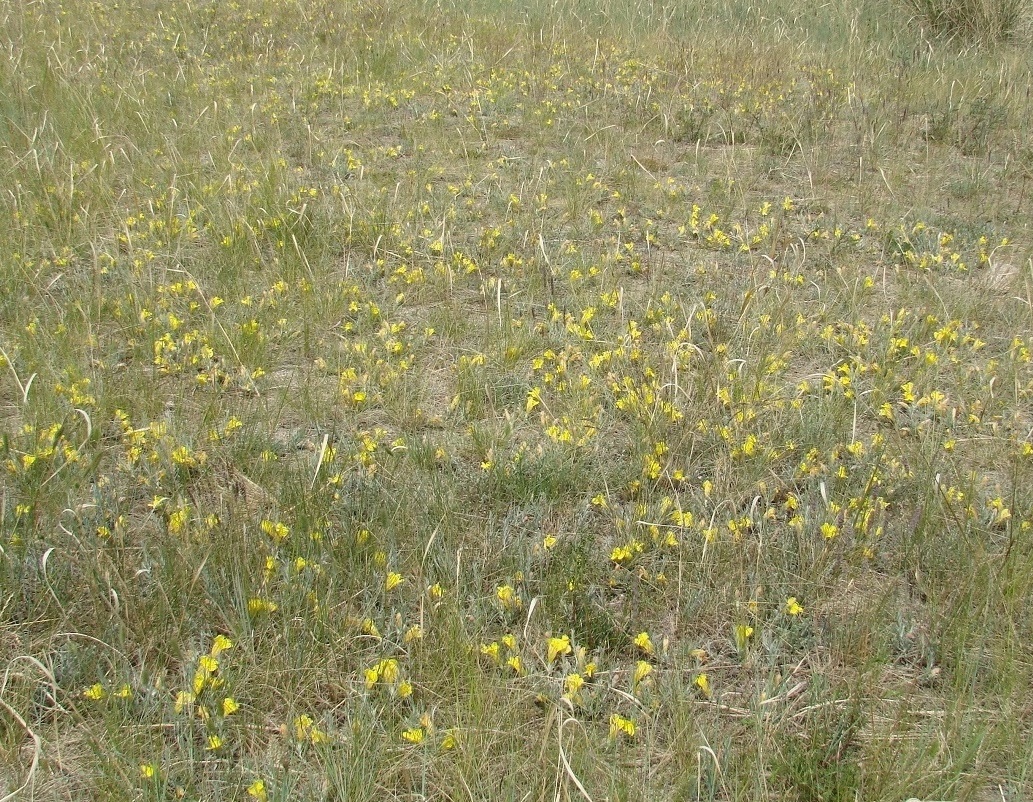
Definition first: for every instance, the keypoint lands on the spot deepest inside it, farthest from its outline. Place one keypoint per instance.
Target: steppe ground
(538, 401)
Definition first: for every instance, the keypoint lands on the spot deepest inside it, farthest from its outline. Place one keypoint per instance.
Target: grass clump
(981, 21)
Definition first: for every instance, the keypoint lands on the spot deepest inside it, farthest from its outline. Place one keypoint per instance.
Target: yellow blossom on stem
(184, 700)
(642, 670)
(257, 791)
(558, 646)
(305, 730)
(257, 606)
(743, 632)
(389, 671)
(621, 726)
(276, 530)
(644, 643)
(507, 595)
(207, 664)
(95, 692)
(793, 607)
(386, 671)
(206, 668)
(370, 628)
(491, 651)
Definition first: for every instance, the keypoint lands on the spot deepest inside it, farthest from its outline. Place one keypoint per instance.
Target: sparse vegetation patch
(515, 401)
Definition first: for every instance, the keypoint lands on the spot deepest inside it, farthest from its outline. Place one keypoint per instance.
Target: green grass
(514, 401)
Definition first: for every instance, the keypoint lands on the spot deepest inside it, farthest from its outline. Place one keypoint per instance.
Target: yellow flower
(147, 770)
(393, 580)
(276, 530)
(303, 727)
(123, 692)
(572, 684)
(644, 643)
(184, 700)
(257, 791)
(257, 606)
(206, 667)
(95, 692)
(558, 646)
(413, 735)
(793, 607)
(214, 743)
(508, 596)
(178, 520)
(491, 651)
(208, 664)
(642, 670)
(415, 632)
(386, 671)
(229, 706)
(181, 456)
(743, 633)
(619, 725)
(703, 683)
(220, 644)
(370, 628)
(404, 689)
(389, 671)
